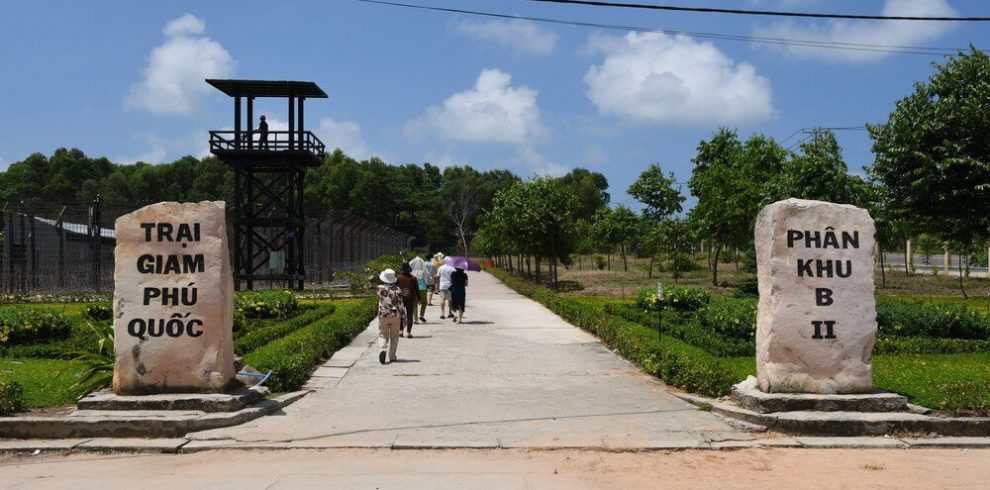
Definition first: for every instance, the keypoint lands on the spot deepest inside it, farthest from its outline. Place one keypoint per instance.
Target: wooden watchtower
(268, 219)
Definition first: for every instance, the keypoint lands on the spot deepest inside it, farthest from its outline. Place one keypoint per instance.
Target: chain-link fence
(70, 247)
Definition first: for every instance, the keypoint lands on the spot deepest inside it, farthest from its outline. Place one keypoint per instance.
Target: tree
(657, 193)
(589, 189)
(732, 182)
(933, 153)
(820, 173)
(536, 218)
(617, 226)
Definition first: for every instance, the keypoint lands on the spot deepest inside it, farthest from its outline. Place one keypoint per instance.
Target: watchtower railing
(277, 141)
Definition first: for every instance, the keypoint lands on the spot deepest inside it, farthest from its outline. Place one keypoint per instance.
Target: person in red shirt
(409, 286)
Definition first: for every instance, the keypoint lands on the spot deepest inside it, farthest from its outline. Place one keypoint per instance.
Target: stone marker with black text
(173, 319)
(816, 322)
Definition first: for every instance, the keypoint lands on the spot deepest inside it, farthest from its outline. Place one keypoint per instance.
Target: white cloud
(154, 154)
(522, 36)
(877, 32)
(656, 78)
(492, 111)
(541, 165)
(345, 135)
(186, 25)
(173, 79)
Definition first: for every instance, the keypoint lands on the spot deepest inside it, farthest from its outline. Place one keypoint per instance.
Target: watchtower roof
(268, 88)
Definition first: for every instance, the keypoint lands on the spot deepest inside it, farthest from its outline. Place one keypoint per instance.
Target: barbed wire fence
(51, 247)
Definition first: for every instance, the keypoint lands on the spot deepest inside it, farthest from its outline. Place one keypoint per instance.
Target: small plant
(94, 368)
(935, 270)
(11, 396)
(600, 262)
(680, 298)
(99, 311)
(746, 288)
(23, 324)
(266, 304)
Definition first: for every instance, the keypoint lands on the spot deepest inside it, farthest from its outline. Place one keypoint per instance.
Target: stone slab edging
(185, 446)
(138, 424)
(849, 424)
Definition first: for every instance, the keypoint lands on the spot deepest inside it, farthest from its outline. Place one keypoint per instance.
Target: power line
(882, 48)
(772, 13)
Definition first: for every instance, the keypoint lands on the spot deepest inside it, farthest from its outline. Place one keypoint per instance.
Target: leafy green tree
(590, 191)
(657, 193)
(820, 173)
(933, 153)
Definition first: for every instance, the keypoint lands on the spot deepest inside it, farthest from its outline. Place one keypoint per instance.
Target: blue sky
(123, 79)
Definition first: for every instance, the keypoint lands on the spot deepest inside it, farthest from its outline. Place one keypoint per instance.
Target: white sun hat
(387, 276)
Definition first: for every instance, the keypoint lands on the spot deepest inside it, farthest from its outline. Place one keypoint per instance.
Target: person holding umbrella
(458, 294)
(458, 285)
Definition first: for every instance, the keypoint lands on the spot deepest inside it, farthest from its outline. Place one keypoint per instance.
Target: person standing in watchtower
(263, 134)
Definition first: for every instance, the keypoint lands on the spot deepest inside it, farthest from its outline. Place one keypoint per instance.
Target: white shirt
(445, 272)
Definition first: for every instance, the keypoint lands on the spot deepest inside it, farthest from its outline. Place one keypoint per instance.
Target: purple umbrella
(465, 263)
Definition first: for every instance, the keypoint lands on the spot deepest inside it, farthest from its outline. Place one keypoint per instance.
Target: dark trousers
(410, 315)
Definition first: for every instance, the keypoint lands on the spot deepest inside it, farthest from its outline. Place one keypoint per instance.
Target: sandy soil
(352, 468)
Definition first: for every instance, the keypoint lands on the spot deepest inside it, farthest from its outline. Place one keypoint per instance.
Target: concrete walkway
(512, 375)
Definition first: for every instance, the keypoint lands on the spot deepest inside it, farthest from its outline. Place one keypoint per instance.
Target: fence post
(34, 253)
(94, 243)
(60, 231)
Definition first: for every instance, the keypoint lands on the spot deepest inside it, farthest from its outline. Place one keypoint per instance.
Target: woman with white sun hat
(391, 316)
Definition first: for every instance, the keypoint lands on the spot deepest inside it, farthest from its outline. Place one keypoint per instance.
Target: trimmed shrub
(294, 356)
(678, 298)
(900, 319)
(746, 288)
(685, 327)
(928, 345)
(730, 317)
(99, 311)
(259, 337)
(31, 324)
(11, 396)
(266, 304)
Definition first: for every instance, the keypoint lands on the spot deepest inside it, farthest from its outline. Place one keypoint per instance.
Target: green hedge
(686, 329)
(902, 319)
(23, 324)
(674, 361)
(266, 304)
(928, 345)
(733, 318)
(294, 356)
(256, 338)
(11, 396)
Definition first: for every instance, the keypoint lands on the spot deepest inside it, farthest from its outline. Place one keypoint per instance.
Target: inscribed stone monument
(173, 319)
(816, 322)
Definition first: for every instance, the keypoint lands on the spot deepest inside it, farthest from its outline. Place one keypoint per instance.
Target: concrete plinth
(203, 402)
(748, 395)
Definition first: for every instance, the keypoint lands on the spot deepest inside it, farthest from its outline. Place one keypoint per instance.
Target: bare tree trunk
(718, 250)
(883, 270)
(653, 259)
(610, 258)
(625, 265)
(961, 287)
(538, 275)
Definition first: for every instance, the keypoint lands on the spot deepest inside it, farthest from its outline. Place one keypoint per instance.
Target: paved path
(512, 375)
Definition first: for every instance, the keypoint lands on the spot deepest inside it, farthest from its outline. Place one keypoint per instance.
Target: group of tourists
(417, 283)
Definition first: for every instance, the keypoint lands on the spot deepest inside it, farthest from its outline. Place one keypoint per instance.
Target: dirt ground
(617, 282)
(352, 468)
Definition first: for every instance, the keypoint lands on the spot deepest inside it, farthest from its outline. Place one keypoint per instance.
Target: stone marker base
(748, 395)
(875, 414)
(204, 402)
(106, 415)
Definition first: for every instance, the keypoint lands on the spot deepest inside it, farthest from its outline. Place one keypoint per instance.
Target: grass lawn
(43, 387)
(39, 374)
(955, 383)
